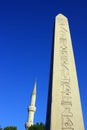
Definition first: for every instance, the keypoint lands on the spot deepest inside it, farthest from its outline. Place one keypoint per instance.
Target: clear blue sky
(26, 29)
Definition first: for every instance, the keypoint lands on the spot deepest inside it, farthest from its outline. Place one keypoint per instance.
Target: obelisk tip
(61, 16)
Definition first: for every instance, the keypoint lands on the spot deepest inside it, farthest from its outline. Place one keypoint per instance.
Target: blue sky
(26, 29)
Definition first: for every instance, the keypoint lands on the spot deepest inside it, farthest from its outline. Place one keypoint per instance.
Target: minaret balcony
(32, 108)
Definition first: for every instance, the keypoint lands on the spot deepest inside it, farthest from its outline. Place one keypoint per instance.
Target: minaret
(31, 109)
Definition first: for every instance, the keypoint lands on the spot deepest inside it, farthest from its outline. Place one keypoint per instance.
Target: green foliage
(10, 128)
(0, 128)
(37, 126)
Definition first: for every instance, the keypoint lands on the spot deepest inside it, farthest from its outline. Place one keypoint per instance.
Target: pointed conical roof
(34, 90)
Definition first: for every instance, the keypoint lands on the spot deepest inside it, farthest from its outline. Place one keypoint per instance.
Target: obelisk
(64, 107)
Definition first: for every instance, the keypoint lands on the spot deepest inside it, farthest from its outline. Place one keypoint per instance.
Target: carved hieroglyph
(64, 108)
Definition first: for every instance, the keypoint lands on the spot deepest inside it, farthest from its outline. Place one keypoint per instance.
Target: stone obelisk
(64, 107)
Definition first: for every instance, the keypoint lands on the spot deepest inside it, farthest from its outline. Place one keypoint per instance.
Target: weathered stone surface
(64, 108)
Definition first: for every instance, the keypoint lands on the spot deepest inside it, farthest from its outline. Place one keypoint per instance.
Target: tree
(10, 128)
(0, 128)
(37, 126)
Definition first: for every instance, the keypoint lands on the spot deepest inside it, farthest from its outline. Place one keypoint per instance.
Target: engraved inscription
(66, 101)
(67, 119)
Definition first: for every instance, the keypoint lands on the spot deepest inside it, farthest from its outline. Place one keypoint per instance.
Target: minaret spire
(32, 108)
(34, 90)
